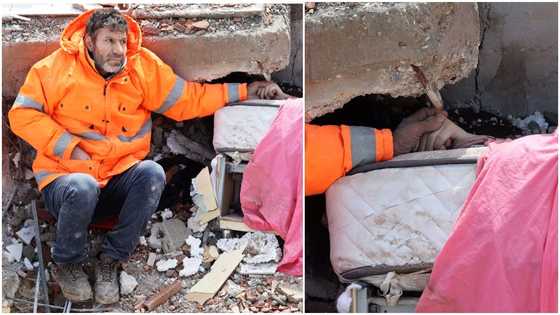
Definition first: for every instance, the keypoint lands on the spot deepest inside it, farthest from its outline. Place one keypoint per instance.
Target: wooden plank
(220, 271)
(234, 222)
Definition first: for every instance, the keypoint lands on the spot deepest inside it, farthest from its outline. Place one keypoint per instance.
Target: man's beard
(100, 62)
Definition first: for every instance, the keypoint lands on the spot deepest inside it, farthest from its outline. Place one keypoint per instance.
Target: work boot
(73, 281)
(106, 282)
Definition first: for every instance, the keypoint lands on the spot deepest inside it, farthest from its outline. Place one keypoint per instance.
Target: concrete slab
(354, 49)
(256, 48)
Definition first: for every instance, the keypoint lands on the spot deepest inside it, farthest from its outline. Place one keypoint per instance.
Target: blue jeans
(76, 200)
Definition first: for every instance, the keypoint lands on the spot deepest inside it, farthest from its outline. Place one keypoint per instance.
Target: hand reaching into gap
(266, 90)
(450, 136)
(407, 136)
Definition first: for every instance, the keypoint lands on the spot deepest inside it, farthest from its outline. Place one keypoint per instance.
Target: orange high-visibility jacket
(332, 151)
(65, 102)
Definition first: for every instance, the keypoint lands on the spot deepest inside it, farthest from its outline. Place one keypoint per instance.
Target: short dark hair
(106, 17)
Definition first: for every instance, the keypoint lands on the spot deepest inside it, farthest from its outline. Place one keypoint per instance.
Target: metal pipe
(42, 274)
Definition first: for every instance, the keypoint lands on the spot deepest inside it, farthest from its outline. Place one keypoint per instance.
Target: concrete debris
(180, 144)
(168, 235)
(294, 293)
(233, 289)
(190, 266)
(201, 24)
(27, 264)
(166, 214)
(261, 247)
(258, 269)
(27, 233)
(195, 225)
(10, 282)
(534, 123)
(151, 259)
(14, 252)
(164, 265)
(128, 283)
(155, 236)
(142, 241)
(194, 243)
(210, 254)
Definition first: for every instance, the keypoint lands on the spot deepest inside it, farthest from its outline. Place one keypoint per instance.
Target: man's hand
(450, 136)
(406, 138)
(79, 154)
(266, 90)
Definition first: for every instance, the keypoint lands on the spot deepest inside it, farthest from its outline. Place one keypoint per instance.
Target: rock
(201, 24)
(259, 269)
(166, 214)
(233, 289)
(168, 235)
(27, 264)
(10, 282)
(128, 283)
(190, 266)
(210, 254)
(175, 232)
(28, 252)
(154, 241)
(151, 259)
(27, 233)
(194, 244)
(14, 252)
(164, 265)
(142, 241)
(171, 273)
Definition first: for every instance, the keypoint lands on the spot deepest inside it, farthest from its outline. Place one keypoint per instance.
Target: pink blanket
(502, 255)
(271, 191)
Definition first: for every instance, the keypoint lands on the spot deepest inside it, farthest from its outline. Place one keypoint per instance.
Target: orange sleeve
(332, 151)
(30, 113)
(168, 94)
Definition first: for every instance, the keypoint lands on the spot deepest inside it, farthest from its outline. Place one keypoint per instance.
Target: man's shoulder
(58, 58)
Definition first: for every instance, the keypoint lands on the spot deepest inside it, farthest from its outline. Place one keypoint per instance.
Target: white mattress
(397, 219)
(239, 127)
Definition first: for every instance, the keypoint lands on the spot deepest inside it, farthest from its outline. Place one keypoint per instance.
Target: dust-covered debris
(128, 283)
(43, 28)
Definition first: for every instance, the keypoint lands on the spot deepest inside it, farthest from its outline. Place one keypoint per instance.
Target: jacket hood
(73, 35)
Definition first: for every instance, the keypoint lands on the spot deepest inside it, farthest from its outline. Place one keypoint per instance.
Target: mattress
(239, 127)
(395, 216)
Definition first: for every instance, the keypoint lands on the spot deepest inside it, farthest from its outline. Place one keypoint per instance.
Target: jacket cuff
(63, 146)
(235, 92)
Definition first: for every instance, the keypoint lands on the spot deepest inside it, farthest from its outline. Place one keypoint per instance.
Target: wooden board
(220, 271)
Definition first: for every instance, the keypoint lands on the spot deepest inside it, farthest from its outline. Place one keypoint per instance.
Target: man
(332, 151)
(86, 109)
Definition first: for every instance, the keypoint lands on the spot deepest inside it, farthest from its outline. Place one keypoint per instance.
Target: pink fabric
(502, 255)
(271, 191)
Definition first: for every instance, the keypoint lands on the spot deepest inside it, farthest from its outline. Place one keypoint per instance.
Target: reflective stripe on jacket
(332, 151)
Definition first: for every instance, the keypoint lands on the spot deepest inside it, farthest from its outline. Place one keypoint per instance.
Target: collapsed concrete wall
(518, 61)
(255, 45)
(364, 48)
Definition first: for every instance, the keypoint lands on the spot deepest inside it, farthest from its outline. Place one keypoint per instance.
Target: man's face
(108, 49)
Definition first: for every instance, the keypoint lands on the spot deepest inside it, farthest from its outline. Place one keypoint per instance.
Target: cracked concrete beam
(367, 48)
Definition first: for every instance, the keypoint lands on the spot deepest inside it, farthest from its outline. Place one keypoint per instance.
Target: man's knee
(153, 172)
(83, 187)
